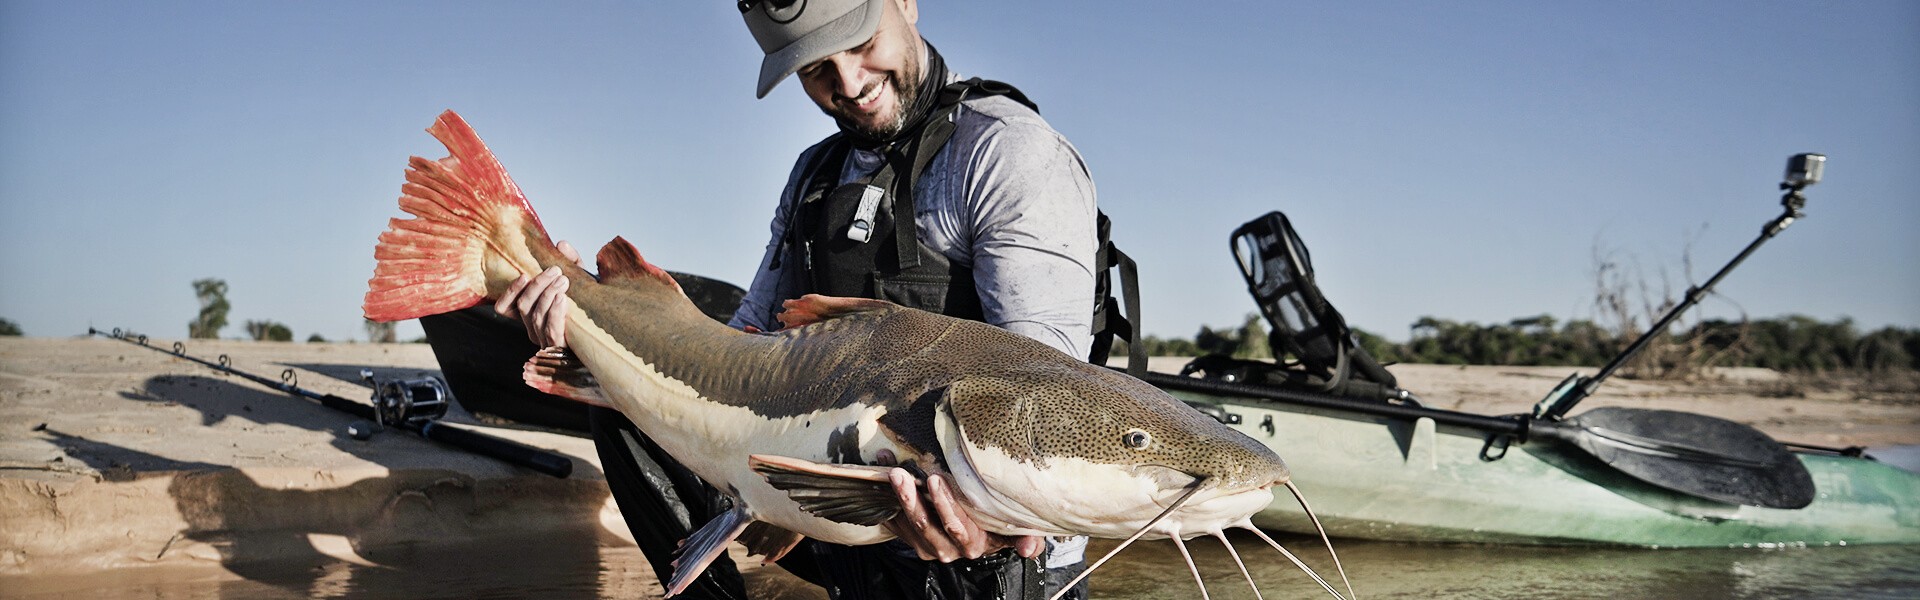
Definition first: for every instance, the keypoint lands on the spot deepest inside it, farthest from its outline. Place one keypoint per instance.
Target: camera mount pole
(1802, 170)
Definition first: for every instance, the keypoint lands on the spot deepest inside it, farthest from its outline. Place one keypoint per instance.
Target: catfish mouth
(1213, 506)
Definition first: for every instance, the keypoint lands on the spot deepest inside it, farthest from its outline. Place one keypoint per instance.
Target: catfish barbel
(788, 423)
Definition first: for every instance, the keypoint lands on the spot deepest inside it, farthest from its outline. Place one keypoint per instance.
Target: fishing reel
(407, 402)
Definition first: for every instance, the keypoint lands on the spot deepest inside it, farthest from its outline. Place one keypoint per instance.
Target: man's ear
(909, 10)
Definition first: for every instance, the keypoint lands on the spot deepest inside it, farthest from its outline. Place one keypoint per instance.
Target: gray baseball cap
(797, 33)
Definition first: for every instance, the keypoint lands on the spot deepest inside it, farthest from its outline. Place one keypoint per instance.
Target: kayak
(1403, 477)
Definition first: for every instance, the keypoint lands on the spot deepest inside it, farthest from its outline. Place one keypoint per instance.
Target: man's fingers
(926, 538)
(1029, 546)
(532, 292)
(960, 526)
(910, 507)
(567, 250)
(504, 306)
(907, 525)
(549, 314)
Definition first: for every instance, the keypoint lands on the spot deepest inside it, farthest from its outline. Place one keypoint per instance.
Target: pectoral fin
(556, 371)
(705, 545)
(855, 494)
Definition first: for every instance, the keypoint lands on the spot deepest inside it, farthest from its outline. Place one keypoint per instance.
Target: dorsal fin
(814, 308)
(620, 261)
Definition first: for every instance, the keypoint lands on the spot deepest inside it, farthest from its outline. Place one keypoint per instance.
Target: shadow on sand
(425, 528)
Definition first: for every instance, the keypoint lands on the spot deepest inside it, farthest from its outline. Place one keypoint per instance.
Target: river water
(1146, 571)
(563, 567)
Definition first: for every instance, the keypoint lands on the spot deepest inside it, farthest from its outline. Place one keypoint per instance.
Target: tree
(380, 333)
(213, 309)
(1253, 339)
(9, 328)
(269, 331)
(316, 338)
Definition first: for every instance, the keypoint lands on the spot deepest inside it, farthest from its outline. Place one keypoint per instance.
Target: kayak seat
(1313, 348)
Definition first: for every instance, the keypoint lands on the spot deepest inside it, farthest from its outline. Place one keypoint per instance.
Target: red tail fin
(473, 232)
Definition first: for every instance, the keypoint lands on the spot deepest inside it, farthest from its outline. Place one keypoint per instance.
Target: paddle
(1697, 455)
(1693, 454)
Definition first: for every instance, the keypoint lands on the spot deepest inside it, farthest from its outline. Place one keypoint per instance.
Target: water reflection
(509, 568)
(1155, 571)
(545, 568)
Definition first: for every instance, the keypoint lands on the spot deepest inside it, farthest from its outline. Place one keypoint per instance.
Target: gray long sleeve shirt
(1007, 197)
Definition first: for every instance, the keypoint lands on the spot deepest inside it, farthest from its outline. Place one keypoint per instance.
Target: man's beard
(905, 95)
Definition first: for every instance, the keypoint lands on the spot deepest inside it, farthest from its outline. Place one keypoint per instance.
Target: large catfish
(1036, 442)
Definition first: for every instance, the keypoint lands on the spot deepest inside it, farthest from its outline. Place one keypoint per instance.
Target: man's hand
(536, 301)
(955, 535)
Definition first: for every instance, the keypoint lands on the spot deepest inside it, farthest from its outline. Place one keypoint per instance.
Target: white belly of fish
(714, 440)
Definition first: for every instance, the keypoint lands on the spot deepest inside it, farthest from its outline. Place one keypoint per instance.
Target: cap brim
(846, 32)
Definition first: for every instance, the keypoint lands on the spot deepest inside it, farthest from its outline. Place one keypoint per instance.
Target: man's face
(869, 87)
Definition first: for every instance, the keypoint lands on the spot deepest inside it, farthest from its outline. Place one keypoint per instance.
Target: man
(1002, 230)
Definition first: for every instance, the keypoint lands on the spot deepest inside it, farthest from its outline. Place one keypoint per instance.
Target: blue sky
(1465, 160)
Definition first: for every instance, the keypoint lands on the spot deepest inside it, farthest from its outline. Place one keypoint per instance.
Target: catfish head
(1060, 448)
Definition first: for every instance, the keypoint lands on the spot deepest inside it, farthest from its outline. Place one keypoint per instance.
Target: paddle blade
(1692, 454)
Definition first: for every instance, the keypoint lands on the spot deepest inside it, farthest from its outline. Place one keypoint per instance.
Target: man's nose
(846, 74)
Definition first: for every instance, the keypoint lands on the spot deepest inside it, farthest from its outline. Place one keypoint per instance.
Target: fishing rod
(1802, 170)
(411, 405)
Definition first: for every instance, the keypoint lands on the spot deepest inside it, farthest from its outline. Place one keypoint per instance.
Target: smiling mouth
(865, 102)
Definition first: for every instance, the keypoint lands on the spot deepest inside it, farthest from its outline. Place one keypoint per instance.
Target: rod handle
(506, 450)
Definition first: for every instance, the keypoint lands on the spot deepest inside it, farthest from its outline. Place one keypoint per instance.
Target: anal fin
(557, 371)
(705, 545)
(766, 539)
(855, 494)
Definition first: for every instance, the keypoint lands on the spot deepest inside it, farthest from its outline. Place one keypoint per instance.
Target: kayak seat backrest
(1312, 346)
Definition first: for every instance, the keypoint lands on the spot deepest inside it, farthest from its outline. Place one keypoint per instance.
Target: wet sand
(122, 468)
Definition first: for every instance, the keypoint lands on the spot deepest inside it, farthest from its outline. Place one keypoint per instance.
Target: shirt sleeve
(770, 284)
(1034, 242)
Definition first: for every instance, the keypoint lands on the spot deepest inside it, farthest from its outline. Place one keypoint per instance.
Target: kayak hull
(1388, 478)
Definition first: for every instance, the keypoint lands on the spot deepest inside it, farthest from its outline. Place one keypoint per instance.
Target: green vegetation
(213, 309)
(1249, 341)
(1793, 343)
(9, 328)
(269, 331)
(316, 339)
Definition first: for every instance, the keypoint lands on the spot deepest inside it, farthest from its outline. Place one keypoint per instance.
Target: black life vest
(847, 240)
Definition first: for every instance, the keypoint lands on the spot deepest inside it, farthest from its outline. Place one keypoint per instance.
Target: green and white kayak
(1374, 476)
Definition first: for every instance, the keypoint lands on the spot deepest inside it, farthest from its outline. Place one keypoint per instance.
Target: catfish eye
(1136, 439)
